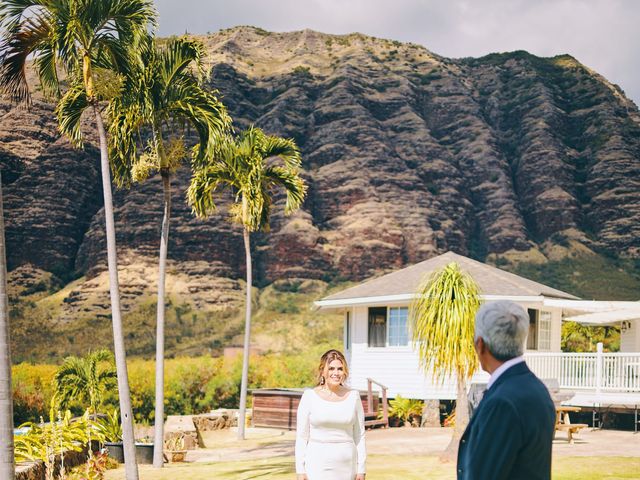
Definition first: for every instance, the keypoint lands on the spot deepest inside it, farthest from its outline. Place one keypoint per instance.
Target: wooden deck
(277, 407)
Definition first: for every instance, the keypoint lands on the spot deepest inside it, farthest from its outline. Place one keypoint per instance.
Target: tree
(243, 165)
(85, 379)
(442, 327)
(7, 464)
(96, 43)
(164, 96)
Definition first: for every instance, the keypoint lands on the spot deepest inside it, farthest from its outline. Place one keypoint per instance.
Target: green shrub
(192, 385)
(407, 410)
(32, 391)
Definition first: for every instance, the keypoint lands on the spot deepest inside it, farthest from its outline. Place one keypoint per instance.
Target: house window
(347, 332)
(544, 331)
(398, 333)
(532, 338)
(378, 326)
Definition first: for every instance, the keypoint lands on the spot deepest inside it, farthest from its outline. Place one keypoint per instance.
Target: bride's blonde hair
(326, 359)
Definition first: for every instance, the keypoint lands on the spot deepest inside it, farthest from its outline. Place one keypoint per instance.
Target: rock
(407, 155)
(182, 426)
(216, 420)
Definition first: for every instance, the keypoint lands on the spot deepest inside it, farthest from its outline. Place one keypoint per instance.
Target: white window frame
(347, 331)
(387, 347)
(389, 327)
(544, 332)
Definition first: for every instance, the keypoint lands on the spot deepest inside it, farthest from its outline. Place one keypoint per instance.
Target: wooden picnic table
(563, 421)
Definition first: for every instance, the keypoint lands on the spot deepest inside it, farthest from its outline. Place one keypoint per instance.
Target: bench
(571, 428)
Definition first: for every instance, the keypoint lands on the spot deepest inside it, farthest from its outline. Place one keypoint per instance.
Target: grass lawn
(381, 467)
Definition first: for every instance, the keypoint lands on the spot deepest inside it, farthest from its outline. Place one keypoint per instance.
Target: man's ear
(480, 346)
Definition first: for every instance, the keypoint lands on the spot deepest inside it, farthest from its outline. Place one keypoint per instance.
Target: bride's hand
(360, 476)
(302, 476)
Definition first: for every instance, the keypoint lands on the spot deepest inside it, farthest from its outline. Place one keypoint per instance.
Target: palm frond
(283, 148)
(20, 38)
(200, 193)
(294, 186)
(177, 57)
(69, 111)
(242, 165)
(85, 378)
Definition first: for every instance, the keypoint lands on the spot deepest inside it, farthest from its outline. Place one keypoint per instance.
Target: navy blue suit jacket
(510, 435)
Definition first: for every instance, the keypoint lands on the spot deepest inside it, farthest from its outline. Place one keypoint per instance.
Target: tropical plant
(46, 441)
(94, 468)
(7, 465)
(405, 409)
(85, 379)
(96, 42)
(165, 96)
(584, 338)
(242, 165)
(109, 427)
(442, 317)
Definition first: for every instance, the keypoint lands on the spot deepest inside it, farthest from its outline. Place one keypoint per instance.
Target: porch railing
(604, 372)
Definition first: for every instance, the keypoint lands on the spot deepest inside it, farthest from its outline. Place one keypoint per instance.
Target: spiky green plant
(241, 165)
(109, 427)
(405, 408)
(46, 441)
(85, 379)
(442, 319)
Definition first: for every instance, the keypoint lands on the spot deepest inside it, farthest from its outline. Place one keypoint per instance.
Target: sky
(602, 34)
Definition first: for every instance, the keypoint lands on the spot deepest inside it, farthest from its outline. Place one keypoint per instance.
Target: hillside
(523, 161)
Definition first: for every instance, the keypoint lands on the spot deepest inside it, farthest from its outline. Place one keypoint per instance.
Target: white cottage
(378, 346)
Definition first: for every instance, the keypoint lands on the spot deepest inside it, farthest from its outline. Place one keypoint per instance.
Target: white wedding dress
(330, 437)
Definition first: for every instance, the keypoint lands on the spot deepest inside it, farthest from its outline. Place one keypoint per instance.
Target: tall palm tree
(244, 166)
(442, 324)
(164, 96)
(85, 379)
(95, 42)
(7, 465)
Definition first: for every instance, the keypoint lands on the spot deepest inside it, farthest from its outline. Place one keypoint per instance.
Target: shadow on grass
(266, 468)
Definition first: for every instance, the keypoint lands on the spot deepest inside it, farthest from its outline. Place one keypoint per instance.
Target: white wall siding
(396, 367)
(630, 338)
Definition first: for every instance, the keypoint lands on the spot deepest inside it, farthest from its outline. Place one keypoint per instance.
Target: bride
(330, 426)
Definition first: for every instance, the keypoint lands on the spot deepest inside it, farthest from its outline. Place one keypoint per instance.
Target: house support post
(599, 369)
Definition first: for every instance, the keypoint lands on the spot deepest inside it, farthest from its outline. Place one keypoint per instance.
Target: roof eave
(408, 297)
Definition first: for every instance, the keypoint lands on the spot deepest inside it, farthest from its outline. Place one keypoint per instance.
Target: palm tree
(164, 96)
(96, 43)
(442, 317)
(7, 465)
(242, 165)
(85, 379)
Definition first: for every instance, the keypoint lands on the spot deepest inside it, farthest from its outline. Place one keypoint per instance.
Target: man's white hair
(503, 326)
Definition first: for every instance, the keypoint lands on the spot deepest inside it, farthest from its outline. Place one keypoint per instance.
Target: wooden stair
(370, 415)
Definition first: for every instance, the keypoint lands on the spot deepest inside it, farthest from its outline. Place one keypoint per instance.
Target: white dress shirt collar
(503, 368)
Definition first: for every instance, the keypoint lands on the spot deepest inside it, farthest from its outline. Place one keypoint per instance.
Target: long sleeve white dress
(330, 437)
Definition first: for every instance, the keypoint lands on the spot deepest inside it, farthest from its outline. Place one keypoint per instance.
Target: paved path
(269, 443)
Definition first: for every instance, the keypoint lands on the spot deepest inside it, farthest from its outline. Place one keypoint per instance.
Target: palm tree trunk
(247, 334)
(7, 465)
(131, 466)
(462, 420)
(158, 440)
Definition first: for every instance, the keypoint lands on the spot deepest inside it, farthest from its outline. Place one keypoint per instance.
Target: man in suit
(510, 434)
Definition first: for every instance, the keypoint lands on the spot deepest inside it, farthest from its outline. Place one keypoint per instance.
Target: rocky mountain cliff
(407, 154)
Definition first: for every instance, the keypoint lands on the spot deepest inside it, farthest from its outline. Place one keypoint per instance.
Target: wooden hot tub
(277, 407)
